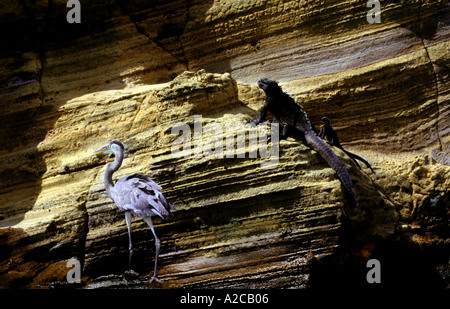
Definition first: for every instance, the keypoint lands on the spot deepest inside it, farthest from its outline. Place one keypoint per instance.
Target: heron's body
(141, 196)
(136, 195)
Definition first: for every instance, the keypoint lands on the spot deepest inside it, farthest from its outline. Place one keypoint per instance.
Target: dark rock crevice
(433, 69)
(165, 29)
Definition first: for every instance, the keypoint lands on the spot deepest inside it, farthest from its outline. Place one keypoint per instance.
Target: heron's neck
(110, 169)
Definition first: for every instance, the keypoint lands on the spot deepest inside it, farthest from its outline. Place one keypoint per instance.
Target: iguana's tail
(327, 153)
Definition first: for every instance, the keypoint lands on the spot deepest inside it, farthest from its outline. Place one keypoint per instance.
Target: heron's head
(326, 120)
(113, 147)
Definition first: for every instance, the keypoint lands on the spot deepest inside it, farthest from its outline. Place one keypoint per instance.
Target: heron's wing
(142, 196)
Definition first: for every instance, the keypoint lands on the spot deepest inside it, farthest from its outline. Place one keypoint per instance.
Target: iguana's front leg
(262, 115)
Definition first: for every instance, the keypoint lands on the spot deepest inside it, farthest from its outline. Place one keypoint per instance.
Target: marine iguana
(327, 132)
(295, 123)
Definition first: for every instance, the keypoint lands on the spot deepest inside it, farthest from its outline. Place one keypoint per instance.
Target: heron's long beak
(105, 149)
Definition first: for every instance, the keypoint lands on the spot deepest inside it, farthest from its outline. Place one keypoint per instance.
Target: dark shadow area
(403, 266)
(162, 22)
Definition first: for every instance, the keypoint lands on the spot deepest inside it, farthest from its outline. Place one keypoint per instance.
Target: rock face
(136, 71)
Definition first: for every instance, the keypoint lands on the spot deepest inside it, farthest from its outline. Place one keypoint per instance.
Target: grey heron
(136, 195)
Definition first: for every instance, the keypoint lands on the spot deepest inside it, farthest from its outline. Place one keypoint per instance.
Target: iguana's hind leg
(291, 131)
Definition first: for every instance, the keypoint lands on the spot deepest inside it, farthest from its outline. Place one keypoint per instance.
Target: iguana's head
(269, 86)
(326, 121)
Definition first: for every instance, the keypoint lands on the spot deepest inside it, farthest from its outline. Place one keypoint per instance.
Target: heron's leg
(157, 242)
(130, 246)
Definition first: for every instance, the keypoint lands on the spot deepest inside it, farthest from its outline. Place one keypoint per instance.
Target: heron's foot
(154, 278)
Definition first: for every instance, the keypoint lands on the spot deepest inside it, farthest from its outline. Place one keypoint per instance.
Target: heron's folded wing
(141, 195)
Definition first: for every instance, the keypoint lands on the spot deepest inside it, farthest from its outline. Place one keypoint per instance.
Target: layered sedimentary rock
(67, 89)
